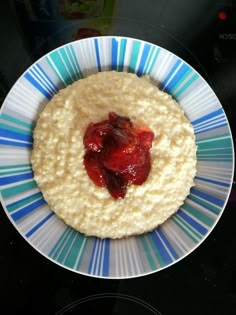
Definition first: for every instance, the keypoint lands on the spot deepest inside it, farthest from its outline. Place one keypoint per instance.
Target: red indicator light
(222, 15)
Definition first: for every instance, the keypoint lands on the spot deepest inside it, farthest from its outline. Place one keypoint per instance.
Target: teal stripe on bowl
(148, 60)
(56, 248)
(156, 52)
(212, 208)
(122, 50)
(214, 151)
(134, 56)
(187, 229)
(148, 253)
(73, 58)
(16, 121)
(22, 202)
(23, 170)
(68, 63)
(180, 81)
(198, 215)
(58, 62)
(56, 71)
(76, 252)
(17, 189)
(155, 250)
(21, 131)
(8, 167)
(67, 247)
(214, 143)
(186, 86)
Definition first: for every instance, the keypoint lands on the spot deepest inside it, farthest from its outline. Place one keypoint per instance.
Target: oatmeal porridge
(58, 151)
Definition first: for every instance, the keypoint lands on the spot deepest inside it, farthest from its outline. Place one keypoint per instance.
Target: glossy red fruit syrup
(117, 154)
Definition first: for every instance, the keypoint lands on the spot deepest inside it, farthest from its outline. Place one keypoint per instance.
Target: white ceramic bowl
(135, 256)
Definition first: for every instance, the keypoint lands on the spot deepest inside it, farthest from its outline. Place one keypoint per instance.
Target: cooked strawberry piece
(118, 161)
(125, 140)
(119, 121)
(139, 173)
(94, 168)
(116, 185)
(116, 138)
(117, 154)
(146, 137)
(94, 135)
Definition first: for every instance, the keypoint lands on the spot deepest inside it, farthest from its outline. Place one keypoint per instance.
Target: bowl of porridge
(116, 157)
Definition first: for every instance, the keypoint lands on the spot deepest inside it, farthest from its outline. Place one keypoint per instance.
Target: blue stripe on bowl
(163, 252)
(5, 133)
(114, 54)
(122, 51)
(16, 144)
(212, 128)
(105, 271)
(52, 85)
(207, 197)
(37, 85)
(171, 72)
(212, 181)
(167, 243)
(17, 203)
(14, 179)
(179, 75)
(208, 116)
(143, 60)
(28, 209)
(97, 54)
(39, 225)
(91, 262)
(198, 227)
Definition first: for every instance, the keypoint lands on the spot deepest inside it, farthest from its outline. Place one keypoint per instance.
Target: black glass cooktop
(202, 32)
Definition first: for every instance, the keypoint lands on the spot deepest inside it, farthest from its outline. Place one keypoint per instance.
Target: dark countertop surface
(203, 34)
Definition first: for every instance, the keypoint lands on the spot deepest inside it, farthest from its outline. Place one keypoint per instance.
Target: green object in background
(83, 9)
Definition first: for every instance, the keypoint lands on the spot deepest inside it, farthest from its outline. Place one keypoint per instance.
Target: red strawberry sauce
(117, 154)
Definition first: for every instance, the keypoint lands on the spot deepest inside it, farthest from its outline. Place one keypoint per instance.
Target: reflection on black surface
(109, 304)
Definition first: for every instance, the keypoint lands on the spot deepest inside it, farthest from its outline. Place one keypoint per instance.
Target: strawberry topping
(117, 154)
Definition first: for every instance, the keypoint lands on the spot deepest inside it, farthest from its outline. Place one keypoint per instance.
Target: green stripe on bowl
(151, 60)
(6, 167)
(215, 159)
(224, 141)
(186, 85)
(215, 151)
(59, 244)
(66, 247)
(69, 64)
(148, 59)
(198, 215)
(71, 51)
(15, 172)
(16, 121)
(11, 191)
(76, 253)
(56, 71)
(121, 54)
(187, 73)
(134, 56)
(148, 253)
(21, 131)
(186, 229)
(205, 204)
(22, 203)
(158, 255)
